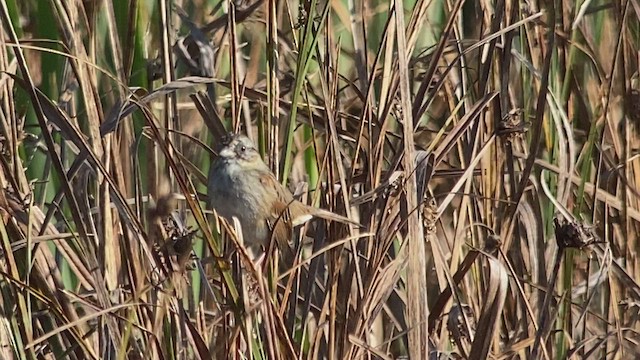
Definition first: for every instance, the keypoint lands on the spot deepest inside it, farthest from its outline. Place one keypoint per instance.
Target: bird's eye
(243, 148)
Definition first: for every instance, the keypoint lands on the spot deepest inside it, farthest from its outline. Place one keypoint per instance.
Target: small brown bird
(242, 186)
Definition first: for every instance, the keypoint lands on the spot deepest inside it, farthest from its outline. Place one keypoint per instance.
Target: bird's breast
(234, 194)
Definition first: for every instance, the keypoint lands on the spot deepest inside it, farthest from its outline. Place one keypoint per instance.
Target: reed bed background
(488, 148)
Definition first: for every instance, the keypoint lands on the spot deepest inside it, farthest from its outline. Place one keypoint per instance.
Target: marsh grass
(457, 133)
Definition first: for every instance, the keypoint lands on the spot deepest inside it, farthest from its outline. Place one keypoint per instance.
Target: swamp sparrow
(242, 186)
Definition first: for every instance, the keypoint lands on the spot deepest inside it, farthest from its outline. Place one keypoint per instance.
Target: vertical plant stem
(418, 309)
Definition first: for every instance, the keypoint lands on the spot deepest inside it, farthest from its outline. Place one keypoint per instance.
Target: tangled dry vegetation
(488, 148)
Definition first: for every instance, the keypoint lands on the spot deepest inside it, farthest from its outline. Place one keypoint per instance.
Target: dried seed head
(576, 235)
(633, 105)
(511, 125)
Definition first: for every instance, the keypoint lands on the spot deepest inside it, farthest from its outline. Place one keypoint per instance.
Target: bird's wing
(293, 212)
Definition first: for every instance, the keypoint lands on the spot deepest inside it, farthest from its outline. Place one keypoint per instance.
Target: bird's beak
(226, 153)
